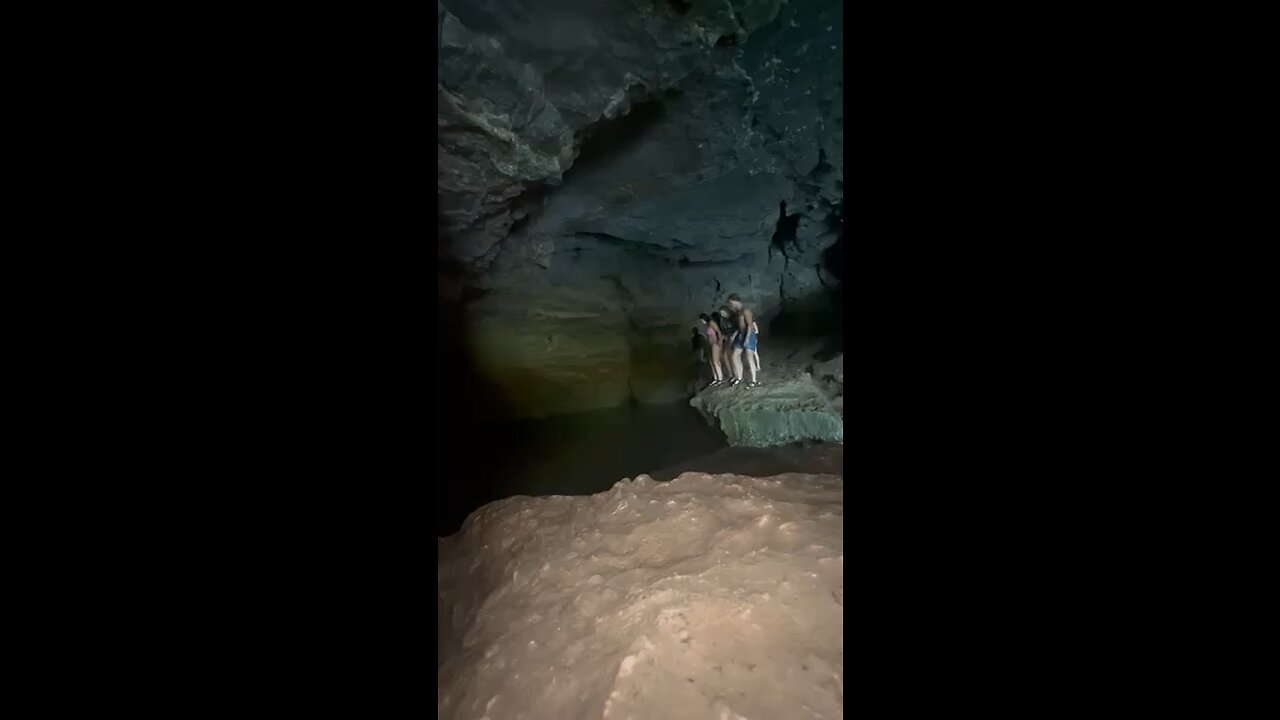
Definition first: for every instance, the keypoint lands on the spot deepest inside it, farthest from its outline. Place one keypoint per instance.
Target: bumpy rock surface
(829, 375)
(789, 407)
(608, 170)
(704, 597)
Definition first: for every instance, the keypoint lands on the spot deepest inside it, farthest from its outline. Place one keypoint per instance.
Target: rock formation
(706, 596)
(791, 406)
(608, 170)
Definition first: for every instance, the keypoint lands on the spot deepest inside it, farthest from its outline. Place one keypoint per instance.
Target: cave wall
(607, 173)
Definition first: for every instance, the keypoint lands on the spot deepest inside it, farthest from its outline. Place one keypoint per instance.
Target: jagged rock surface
(707, 596)
(609, 170)
(829, 375)
(785, 409)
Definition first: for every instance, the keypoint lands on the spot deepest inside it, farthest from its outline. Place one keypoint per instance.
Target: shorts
(749, 345)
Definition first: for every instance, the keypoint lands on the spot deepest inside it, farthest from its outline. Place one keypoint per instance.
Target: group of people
(726, 335)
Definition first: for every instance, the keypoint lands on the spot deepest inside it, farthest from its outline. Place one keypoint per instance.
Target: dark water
(820, 458)
(587, 453)
(578, 454)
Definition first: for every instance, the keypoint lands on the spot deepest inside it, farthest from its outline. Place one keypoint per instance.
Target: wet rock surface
(829, 375)
(787, 407)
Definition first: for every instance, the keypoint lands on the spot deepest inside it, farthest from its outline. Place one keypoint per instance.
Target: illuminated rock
(706, 596)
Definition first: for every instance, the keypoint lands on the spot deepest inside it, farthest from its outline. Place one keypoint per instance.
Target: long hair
(724, 319)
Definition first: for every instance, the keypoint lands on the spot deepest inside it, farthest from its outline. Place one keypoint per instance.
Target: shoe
(753, 384)
(714, 383)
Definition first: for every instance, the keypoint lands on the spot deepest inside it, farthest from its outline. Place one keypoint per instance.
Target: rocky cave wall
(609, 170)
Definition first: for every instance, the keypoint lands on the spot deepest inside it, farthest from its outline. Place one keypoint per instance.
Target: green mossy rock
(781, 411)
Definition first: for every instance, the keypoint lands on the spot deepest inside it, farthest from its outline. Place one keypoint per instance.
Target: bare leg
(737, 363)
(715, 363)
(753, 364)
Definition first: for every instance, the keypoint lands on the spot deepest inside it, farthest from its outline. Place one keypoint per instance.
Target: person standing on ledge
(726, 328)
(712, 330)
(698, 356)
(745, 339)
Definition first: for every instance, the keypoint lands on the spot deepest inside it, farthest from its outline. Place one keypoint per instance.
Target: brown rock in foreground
(706, 596)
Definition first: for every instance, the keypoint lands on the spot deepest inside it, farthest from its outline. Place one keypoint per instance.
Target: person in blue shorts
(745, 339)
